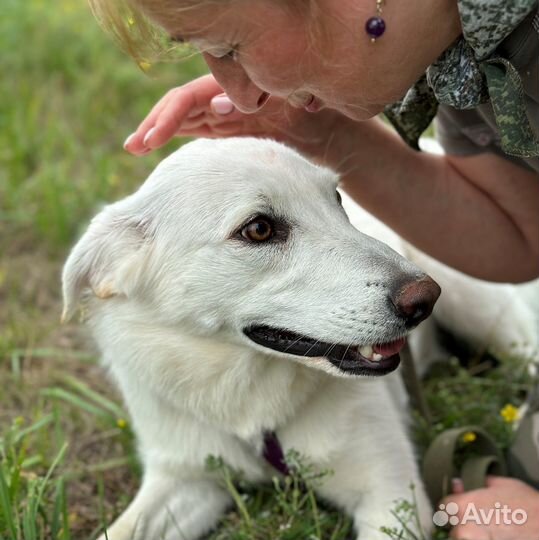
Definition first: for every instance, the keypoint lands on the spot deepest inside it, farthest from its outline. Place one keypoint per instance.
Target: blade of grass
(59, 521)
(31, 461)
(314, 509)
(16, 366)
(65, 395)
(42, 422)
(99, 467)
(53, 466)
(29, 516)
(86, 391)
(175, 523)
(5, 505)
(51, 353)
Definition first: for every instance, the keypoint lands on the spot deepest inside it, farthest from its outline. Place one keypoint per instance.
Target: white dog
(231, 298)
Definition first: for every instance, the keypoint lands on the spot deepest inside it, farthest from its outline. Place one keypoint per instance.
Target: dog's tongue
(391, 348)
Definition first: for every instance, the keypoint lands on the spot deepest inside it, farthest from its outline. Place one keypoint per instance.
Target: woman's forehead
(188, 18)
(190, 21)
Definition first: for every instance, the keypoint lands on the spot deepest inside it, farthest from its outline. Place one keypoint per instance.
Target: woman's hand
(506, 492)
(201, 109)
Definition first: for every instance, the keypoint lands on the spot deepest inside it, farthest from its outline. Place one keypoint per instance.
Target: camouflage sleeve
(463, 133)
(471, 132)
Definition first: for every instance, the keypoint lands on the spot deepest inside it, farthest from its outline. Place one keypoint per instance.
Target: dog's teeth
(365, 351)
(376, 357)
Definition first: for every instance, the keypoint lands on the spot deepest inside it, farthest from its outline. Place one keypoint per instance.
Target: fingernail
(128, 140)
(222, 105)
(457, 485)
(148, 136)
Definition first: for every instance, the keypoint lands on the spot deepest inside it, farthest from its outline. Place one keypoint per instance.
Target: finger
(457, 485)
(494, 481)
(190, 98)
(228, 110)
(222, 105)
(229, 123)
(459, 499)
(469, 532)
(135, 142)
(204, 88)
(214, 120)
(225, 130)
(200, 131)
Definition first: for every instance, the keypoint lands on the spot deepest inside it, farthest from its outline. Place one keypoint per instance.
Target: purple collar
(273, 452)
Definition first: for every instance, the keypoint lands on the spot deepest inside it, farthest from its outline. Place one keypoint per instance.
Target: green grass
(285, 509)
(69, 100)
(68, 465)
(475, 395)
(37, 467)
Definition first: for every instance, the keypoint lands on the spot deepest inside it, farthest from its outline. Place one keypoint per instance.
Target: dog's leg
(170, 508)
(374, 498)
(355, 430)
(373, 513)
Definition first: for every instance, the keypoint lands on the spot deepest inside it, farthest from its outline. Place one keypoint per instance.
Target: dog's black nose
(415, 300)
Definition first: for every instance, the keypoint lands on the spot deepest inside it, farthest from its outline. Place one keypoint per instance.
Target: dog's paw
(167, 509)
(126, 527)
(372, 519)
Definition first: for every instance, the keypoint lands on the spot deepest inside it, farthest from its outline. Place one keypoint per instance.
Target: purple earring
(376, 26)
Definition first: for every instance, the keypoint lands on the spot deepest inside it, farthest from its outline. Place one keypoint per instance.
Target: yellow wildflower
(469, 437)
(145, 66)
(121, 423)
(509, 413)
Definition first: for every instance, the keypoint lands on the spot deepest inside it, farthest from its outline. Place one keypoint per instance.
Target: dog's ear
(107, 260)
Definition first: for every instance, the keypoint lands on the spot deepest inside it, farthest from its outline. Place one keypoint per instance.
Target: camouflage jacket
(471, 73)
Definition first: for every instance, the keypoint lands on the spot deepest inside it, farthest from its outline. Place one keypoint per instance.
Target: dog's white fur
(171, 287)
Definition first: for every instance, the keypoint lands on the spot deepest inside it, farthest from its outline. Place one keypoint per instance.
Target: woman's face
(260, 47)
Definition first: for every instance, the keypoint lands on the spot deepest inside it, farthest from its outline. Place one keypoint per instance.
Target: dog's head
(244, 240)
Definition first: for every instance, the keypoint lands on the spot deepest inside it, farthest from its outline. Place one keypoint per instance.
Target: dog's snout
(415, 300)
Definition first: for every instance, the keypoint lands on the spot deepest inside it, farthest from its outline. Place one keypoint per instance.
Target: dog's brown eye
(258, 230)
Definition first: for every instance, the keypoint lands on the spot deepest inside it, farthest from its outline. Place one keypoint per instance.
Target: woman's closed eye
(230, 54)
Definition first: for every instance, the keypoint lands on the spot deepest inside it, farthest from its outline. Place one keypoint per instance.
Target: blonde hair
(135, 32)
(131, 27)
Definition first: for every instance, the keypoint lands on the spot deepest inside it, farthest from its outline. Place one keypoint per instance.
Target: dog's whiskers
(344, 354)
(330, 348)
(313, 345)
(292, 344)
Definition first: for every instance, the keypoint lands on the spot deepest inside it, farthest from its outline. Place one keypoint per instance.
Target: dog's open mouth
(376, 359)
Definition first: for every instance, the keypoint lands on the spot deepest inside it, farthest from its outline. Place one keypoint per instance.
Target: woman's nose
(245, 95)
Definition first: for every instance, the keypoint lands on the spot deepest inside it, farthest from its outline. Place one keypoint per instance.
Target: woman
(315, 74)
(474, 209)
